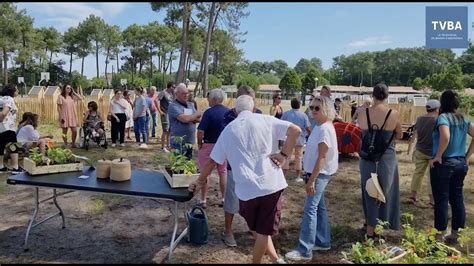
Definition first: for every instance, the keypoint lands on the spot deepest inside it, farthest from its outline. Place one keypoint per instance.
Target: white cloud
(371, 41)
(65, 15)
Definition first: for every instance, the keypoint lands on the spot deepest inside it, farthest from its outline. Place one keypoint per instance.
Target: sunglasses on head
(314, 108)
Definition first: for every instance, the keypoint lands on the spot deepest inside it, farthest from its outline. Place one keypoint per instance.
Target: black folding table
(142, 184)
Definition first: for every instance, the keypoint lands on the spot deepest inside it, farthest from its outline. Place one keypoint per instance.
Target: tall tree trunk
(82, 67)
(170, 63)
(186, 67)
(106, 64)
(118, 69)
(51, 57)
(151, 64)
(70, 64)
(188, 71)
(5, 66)
(205, 58)
(184, 42)
(97, 56)
(198, 80)
(215, 62)
(140, 67)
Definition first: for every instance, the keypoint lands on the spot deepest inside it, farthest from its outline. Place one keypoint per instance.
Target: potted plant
(57, 160)
(181, 170)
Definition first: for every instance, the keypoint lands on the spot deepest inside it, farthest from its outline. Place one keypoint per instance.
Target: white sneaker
(143, 146)
(165, 150)
(316, 248)
(114, 145)
(299, 179)
(280, 261)
(296, 255)
(122, 144)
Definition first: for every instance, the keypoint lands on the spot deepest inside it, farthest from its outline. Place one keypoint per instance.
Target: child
(27, 134)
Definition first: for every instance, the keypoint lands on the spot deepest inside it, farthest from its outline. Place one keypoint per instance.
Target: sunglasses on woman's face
(314, 108)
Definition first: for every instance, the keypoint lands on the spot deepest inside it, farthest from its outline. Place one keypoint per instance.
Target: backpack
(373, 144)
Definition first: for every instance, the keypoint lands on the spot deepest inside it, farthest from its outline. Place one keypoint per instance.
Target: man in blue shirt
(183, 118)
(209, 130)
(300, 119)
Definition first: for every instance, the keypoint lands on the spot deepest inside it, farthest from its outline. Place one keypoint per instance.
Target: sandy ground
(118, 229)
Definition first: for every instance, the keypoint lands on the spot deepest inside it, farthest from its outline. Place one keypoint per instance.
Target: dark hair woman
(67, 113)
(449, 165)
(8, 112)
(275, 109)
(28, 136)
(118, 117)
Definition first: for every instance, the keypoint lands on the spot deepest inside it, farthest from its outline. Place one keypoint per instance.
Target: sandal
(412, 200)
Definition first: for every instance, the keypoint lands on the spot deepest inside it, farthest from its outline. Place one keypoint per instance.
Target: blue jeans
(153, 124)
(315, 228)
(447, 182)
(139, 126)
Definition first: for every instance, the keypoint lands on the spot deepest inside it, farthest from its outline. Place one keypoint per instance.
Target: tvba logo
(449, 25)
(446, 27)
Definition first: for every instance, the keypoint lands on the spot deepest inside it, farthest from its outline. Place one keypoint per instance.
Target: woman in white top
(28, 136)
(8, 111)
(118, 117)
(320, 162)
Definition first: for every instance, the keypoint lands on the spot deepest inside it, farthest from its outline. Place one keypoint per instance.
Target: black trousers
(5, 138)
(118, 128)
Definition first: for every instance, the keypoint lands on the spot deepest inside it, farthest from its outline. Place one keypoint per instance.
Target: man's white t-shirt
(324, 133)
(246, 143)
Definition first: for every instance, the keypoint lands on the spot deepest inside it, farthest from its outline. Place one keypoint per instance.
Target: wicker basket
(103, 168)
(120, 170)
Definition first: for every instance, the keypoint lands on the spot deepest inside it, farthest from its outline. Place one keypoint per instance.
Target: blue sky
(287, 31)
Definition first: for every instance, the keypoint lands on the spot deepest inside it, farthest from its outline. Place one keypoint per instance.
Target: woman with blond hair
(320, 162)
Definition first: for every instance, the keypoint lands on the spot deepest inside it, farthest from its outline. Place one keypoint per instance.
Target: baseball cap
(433, 104)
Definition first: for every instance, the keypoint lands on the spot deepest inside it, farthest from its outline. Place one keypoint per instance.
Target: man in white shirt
(259, 180)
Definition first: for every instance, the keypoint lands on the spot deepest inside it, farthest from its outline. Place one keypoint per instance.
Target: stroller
(87, 134)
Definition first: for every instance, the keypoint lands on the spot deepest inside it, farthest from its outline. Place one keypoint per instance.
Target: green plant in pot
(179, 163)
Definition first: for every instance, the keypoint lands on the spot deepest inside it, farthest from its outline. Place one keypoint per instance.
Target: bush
(249, 80)
(214, 82)
(269, 79)
(98, 83)
(291, 82)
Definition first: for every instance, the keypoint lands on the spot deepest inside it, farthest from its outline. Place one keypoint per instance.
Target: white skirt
(129, 113)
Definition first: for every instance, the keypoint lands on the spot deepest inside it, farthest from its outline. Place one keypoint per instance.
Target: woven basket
(120, 170)
(103, 169)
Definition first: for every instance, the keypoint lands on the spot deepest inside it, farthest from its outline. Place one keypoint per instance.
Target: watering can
(198, 226)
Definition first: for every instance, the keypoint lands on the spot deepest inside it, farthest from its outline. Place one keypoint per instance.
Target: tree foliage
(291, 82)
(249, 80)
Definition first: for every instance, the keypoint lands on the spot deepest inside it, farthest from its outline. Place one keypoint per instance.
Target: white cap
(433, 104)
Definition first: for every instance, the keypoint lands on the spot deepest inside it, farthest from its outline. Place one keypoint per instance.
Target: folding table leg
(61, 213)
(174, 241)
(33, 218)
(32, 223)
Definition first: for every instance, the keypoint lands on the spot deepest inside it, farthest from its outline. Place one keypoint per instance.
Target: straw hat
(374, 189)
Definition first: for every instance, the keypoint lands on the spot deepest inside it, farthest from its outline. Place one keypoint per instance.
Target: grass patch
(103, 202)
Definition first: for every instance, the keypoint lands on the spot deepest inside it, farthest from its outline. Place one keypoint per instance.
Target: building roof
(363, 89)
(269, 88)
(51, 90)
(469, 91)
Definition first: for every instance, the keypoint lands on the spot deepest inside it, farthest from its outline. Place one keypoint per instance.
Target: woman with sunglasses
(67, 113)
(320, 162)
(275, 109)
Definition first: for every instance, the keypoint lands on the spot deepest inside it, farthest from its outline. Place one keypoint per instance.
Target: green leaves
(291, 82)
(60, 156)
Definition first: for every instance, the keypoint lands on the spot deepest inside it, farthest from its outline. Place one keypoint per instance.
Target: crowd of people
(253, 173)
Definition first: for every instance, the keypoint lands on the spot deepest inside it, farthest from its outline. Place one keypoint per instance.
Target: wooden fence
(47, 109)
(407, 111)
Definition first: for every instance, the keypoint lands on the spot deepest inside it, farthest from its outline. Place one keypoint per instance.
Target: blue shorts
(231, 202)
